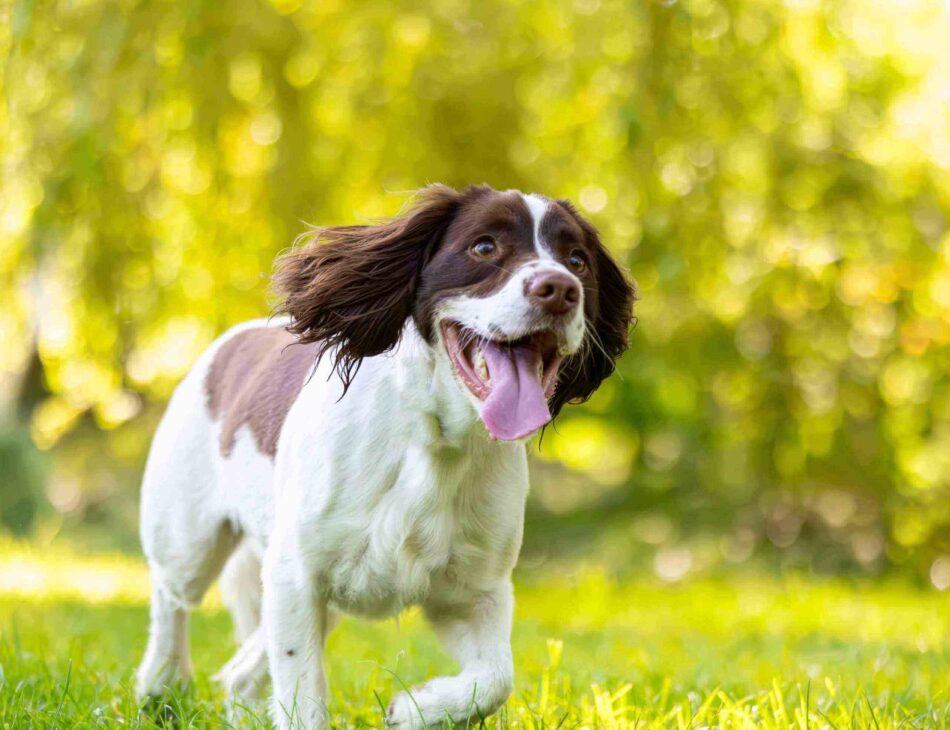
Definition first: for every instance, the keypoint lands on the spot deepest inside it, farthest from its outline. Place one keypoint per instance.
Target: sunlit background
(775, 176)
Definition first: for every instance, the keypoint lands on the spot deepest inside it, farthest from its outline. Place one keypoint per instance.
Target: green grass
(590, 652)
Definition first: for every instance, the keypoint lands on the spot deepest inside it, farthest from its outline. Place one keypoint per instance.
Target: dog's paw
(399, 712)
(405, 712)
(154, 683)
(444, 700)
(246, 673)
(437, 703)
(246, 683)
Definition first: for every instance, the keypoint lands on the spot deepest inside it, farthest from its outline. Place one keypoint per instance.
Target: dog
(365, 449)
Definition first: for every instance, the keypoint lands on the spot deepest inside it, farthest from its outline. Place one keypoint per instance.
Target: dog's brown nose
(554, 292)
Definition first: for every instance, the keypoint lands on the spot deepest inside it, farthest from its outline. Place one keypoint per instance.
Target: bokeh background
(775, 175)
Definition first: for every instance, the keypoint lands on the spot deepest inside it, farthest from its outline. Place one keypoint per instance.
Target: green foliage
(775, 175)
(754, 654)
(23, 479)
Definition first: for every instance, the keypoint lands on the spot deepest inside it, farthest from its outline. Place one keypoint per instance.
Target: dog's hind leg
(178, 585)
(166, 655)
(246, 672)
(240, 584)
(187, 532)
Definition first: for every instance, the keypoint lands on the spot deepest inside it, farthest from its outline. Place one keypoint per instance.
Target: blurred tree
(777, 176)
(22, 477)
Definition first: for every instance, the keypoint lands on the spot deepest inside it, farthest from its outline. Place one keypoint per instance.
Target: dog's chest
(417, 532)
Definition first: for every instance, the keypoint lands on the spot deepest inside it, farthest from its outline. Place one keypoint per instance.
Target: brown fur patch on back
(253, 380)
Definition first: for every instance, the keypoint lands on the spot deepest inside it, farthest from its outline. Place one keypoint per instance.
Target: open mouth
(512, 378)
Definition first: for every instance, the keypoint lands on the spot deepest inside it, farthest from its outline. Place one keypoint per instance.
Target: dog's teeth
(481, 367)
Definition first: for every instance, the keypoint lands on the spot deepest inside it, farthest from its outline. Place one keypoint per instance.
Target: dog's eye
(484, 248)
(577, 262)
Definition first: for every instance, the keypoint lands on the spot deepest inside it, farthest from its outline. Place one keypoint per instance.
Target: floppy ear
(607, 326)
(352, 287)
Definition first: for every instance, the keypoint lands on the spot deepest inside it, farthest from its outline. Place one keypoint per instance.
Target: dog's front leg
(295, 621)
(478, 637)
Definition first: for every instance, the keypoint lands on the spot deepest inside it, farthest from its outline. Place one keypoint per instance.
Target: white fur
(508, 310)
(538, 207)
(389, 497)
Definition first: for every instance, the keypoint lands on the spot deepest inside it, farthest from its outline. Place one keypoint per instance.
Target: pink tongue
(516, 405)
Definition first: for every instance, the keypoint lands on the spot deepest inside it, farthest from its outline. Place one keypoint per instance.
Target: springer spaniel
(391, 471)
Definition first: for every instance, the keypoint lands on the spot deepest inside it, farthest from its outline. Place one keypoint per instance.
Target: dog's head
(516, 291)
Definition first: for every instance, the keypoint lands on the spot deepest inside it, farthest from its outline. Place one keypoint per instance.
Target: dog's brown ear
(607, 328)
(352, 287)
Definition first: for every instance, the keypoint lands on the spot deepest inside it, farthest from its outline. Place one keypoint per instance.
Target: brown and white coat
(367, 448)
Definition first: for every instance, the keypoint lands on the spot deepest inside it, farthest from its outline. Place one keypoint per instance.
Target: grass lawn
(589, 652)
